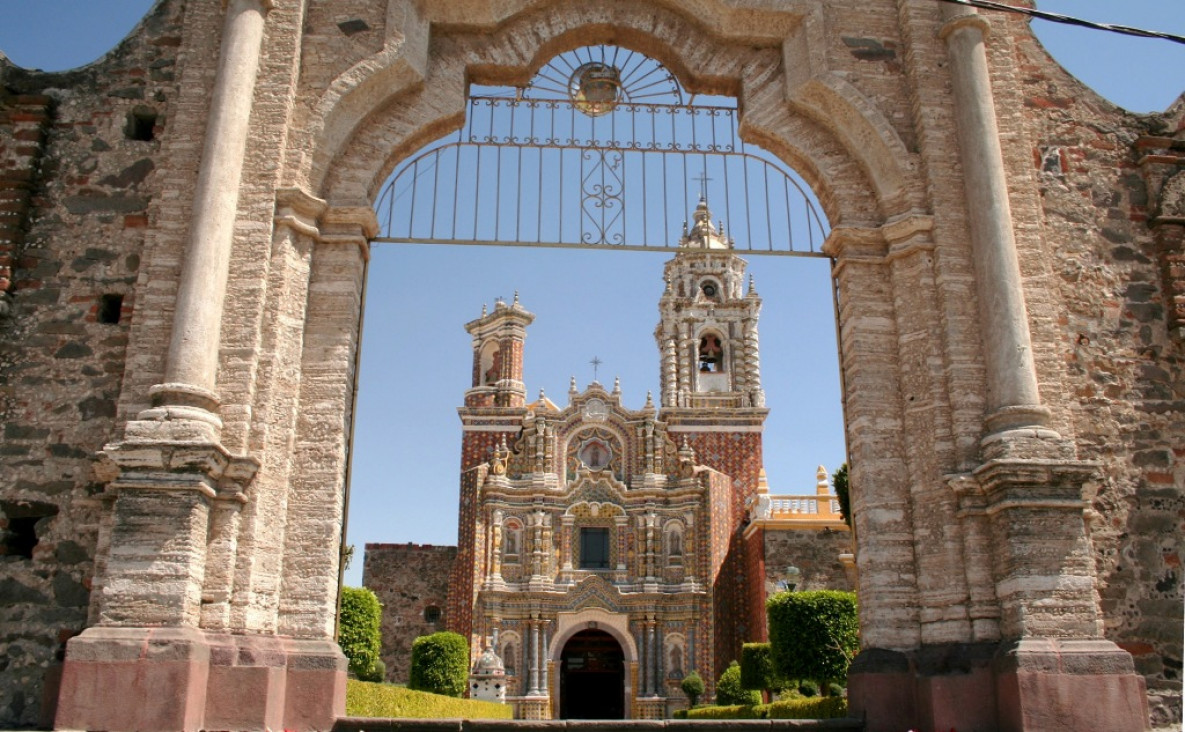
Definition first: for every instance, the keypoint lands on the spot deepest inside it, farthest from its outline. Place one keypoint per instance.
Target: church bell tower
(712, 400)
(707, 334)
(498, 339)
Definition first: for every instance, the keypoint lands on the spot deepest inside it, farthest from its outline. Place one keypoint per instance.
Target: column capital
(966, 20)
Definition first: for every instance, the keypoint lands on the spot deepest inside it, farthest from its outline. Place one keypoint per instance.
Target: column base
(186, 679)
(134, 679)
(1056, 685)
(1068, 685)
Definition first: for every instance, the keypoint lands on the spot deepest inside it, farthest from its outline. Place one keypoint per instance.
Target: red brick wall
(739, 456)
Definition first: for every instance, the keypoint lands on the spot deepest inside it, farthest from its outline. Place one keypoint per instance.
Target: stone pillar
(1013, 398)
(192, 365)
(146, 650)
(533, 688)
(544, 662)
(1021, 510)
(670, 373)
(651, 661)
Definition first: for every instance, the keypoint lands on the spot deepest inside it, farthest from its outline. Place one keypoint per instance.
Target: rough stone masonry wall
(1124, 371)
(814, 551)
(75, 270)
(408, 579)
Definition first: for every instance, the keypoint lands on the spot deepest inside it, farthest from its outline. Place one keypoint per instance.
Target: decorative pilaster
(495, 557)
(566, 524)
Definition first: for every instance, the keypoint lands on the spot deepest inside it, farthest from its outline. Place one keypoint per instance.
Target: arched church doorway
(592, 677)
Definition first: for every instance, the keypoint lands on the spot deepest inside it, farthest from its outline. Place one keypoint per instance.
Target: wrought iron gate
(603, 149)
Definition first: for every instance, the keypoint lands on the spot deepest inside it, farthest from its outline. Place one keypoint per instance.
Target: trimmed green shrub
(358, 631)
(757, 668)
(440, 664)
(808, 688)
(693, 686)
(384, 700)
(735, 711)
(822, 707)
(839, 481)
(834, 707)
(813, 635)
(730, 692)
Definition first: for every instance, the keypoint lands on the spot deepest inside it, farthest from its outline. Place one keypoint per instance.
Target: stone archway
(967, 485)
(592, 677)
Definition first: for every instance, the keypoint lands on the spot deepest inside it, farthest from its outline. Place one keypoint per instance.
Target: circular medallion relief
(595, 410)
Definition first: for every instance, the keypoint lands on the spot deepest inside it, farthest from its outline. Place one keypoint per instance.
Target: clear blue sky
(416, 355)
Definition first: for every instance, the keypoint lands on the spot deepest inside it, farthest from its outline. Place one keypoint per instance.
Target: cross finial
(596, 364)
(703, 183)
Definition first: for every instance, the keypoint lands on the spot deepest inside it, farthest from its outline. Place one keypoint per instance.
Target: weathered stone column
(1013, 398)
(192, 365)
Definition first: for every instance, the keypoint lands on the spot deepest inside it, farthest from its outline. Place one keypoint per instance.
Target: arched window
(710, 289)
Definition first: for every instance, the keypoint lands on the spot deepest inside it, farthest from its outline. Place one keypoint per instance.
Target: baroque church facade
(605, 552)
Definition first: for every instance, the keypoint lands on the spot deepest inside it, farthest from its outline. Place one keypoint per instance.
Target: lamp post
(793, 574)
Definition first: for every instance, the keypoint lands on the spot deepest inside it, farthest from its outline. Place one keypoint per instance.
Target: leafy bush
(839, 481)
(813, 635)
(735, 711)
(824, 707)
(757, 668)
(440, 664)
(730, 692)
(808, 688)
(377, 672)
(693, 686)
(358, 630)
(384, 700)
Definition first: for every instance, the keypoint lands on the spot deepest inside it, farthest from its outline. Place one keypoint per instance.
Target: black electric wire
(1068, 19)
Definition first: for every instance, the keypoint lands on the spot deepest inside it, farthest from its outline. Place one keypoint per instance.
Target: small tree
(813, 635)
(440, 664)
(358, 631)
(730, 691)
(693, 686)
(839, 481)
(757, 670)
